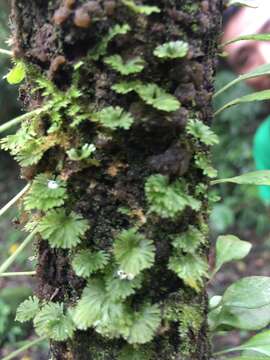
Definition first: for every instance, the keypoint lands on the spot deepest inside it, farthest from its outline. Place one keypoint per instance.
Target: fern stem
(24, 273)
(20, 118)
(28, 345)
(6, 52)
(14, 200)
(13, 257)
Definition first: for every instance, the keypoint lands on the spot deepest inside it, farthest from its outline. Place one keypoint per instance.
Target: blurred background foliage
(240, 210)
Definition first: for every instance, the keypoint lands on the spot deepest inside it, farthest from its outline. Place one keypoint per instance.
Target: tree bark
(53, 36)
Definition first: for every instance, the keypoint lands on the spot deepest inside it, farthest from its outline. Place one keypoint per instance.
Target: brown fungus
(61, 15)
(82, 18)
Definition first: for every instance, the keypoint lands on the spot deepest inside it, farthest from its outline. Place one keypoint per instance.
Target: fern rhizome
(114, 150)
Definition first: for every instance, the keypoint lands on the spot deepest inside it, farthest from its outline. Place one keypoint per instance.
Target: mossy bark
(53, 35)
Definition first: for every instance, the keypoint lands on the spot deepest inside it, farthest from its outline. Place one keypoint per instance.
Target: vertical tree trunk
(111, 192)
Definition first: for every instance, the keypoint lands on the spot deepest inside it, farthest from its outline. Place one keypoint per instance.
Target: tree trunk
(133, 166)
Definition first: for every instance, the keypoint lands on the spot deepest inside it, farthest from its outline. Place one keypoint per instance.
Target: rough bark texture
(53, 35)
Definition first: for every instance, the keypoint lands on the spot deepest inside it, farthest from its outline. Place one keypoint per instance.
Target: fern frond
(113, 118)
(45, 194)
(168, 199)
(189, 241)
(145, 323)
(87, 262)
(172, 50)
(52, 322)
(62, 230)
(141, 9)
(132, 66)
(133, 252)
(191, 268)
(28, 309)
(201, 132)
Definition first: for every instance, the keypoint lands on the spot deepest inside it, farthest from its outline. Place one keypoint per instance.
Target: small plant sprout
(172, 50)
(81, 154)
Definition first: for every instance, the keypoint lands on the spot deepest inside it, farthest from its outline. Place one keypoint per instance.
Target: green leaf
(81, 154)
(133, 252)
(52, 322)
(132, 66)
(250, 358)
(125, 87)
(97, 308)
(120, 289)
(168, 199)
(113, 118)
(89, 307)
(17, 74)
(255, 96)
(152, 94)
(189, 241)
(86, 262)
(239, 318)
(172, 50)
(28, 309)
(259, 71)
(261, 177)
(157, 97)
(259, 343)
(144, 324)
(229, 248)
(101, 49)
(192, 269)
(201, 132)
(141, 9)
(62, 230)
(205, 165)
(250, 292)
(255, 37)
(45, 193)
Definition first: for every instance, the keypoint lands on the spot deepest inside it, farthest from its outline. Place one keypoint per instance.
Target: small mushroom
(82, 18)
(61, 15)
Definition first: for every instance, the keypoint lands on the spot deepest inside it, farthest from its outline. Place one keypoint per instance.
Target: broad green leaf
(172, 50)
(17, 74)
(260, 177)
(28, 309)
(122, 288)
(239, 318)
(247, 3)
(229, 248)
(250, 292)
(255, 37)
(133, 252)
(256, 96)
(259, 343)
(259, 71)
